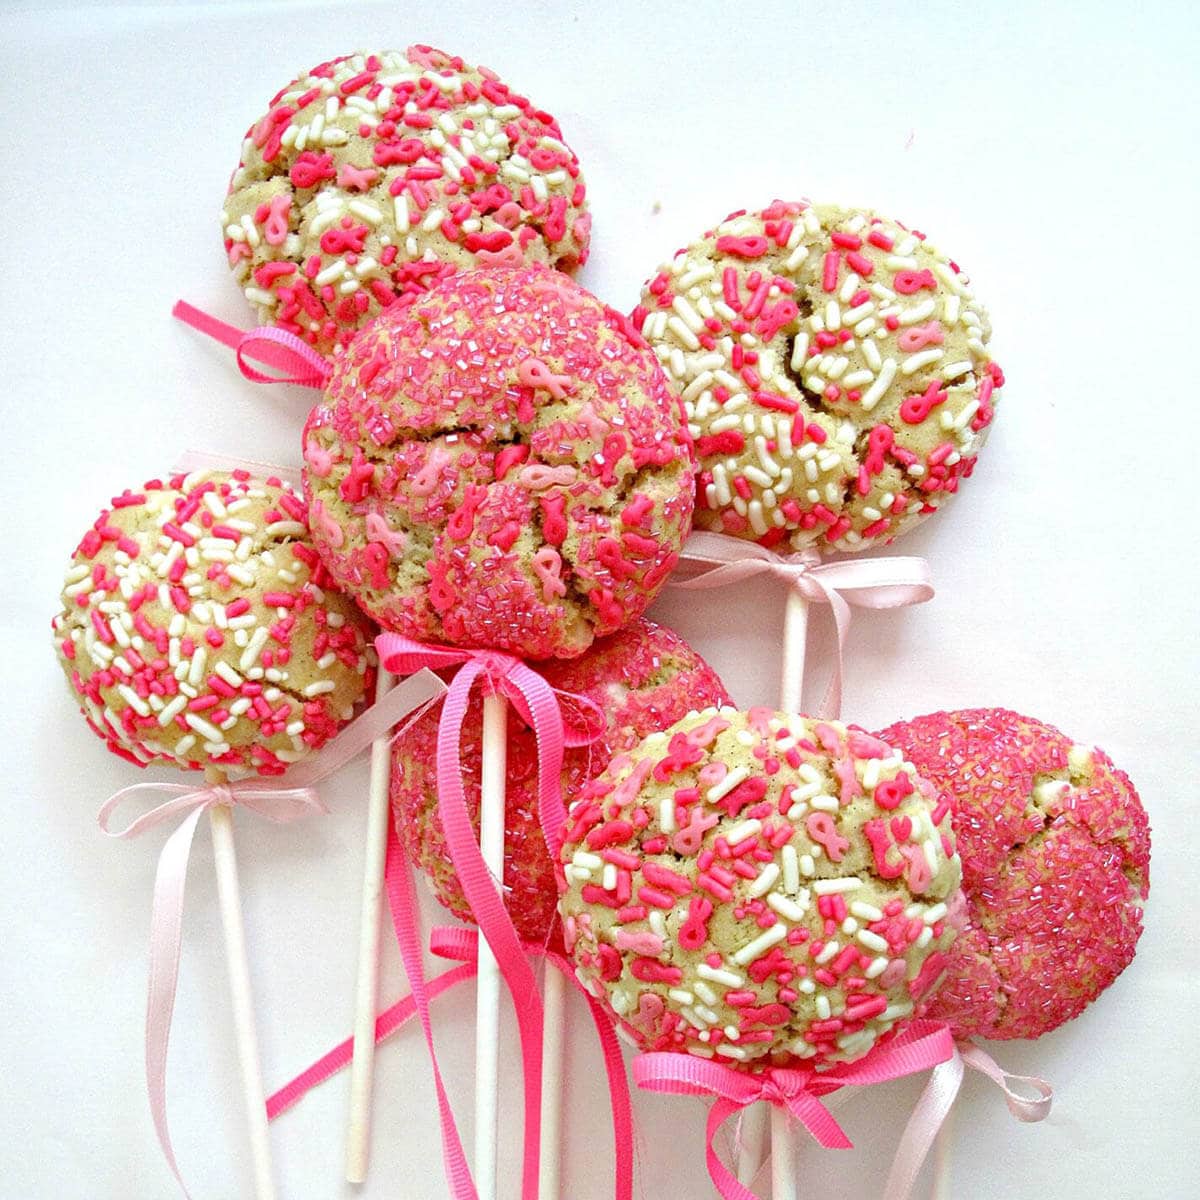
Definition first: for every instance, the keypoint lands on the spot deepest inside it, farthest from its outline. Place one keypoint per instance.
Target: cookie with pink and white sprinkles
(375, 175)
(835, 369)
(198, 627)
(500, 464)
(1055, 847)
(759, 888)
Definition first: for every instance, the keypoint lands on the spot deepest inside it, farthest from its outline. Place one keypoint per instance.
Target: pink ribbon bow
(535, 700)
(922, 1045)
(280, 799)
(860, 582)
(276, 348)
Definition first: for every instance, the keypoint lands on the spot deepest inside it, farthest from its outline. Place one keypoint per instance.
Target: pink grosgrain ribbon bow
(892, 582)
(280, 799)
(276, 348)
(922, 1045)
(535, 700)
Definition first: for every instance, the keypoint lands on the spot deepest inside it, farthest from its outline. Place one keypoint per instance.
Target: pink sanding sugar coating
(501, 465)
(198, 627)
(374, 175)
(1055, 847)
(643, 679)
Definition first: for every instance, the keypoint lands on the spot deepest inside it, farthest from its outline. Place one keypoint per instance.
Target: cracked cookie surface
(835, 370)
(1055, 846)
(198, 627)
(501, 465)
(374, 175)
(759, 888)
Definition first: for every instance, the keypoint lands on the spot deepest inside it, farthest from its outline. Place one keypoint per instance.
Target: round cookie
(1055, 848)
(198, 627)
(374, 175)
(643, 679)
(759, 887)
(500, 464)
(835, 370)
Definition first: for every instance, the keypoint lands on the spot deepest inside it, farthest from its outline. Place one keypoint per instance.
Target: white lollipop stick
(783, 1158)
(487, 990)
(751, 1153)
(220, 818)
(942, 1158)
(553, 1001)
(362, 1066)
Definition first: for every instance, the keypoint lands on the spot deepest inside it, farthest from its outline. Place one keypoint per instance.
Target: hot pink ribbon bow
(536, 701)
(859, 582)
(276, 348)
(922, 1045)
(282, 799)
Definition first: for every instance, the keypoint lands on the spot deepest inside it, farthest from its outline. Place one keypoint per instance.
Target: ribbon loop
(878, 583)
(1025, 1108)
(275, 348)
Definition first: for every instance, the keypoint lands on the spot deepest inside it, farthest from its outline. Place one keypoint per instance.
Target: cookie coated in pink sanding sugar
(643, 679)
(1055, 848)
(502, 465)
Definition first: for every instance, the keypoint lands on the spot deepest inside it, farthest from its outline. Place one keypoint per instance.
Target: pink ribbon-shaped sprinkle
(276, 348)
(282, 799)
(893, 582)
(922, 1045)
(538, 705)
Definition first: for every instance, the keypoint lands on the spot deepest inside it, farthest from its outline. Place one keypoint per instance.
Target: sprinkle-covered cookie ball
(500, 464)
(1055, 848)
(759, 888)
(642, 679)
(198, 628)
(373, 176)
(835, 370)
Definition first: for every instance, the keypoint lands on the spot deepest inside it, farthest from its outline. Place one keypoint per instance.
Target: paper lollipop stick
(487, 993)
(220, 819)
(362, 1068)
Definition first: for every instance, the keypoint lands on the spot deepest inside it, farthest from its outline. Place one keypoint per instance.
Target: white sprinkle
(254, 648)
(873, 941)
(914, 362)
(933, 914)
(887, 372)
(765, 881)
(608, 877)
(203, 728)
(320, 688)
(827, 887)
(791, 870)
(823, 1009)
(877, 968)
(720, 790)
(765, 940)
(790, 910)
(807, 865)
(825, 802)
(866, 912)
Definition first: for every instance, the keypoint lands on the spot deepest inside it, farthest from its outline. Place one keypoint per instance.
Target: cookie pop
(759, 889)
(373, 176)
(1056, 857)
(198, 629)
(499, 465)
(1055, 847)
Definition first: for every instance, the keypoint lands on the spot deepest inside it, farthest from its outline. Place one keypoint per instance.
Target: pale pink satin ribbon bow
(892, 582)
(282, 799)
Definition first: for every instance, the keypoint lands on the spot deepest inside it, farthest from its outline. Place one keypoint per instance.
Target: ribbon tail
(1024, 1108)
(202, 322)
(387, 1023)
(403, 907)
(723, 1179)
(494, 923)
(831, 702)
(166, 935)
(936, 1100)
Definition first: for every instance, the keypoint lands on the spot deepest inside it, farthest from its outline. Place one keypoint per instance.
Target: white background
(1050, 149)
